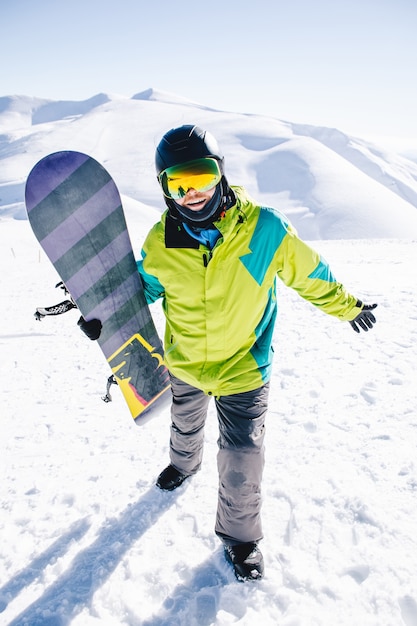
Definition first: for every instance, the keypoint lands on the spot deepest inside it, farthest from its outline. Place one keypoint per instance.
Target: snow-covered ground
(87, 538)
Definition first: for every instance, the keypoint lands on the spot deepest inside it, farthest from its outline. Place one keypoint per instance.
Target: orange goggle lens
(201, 175)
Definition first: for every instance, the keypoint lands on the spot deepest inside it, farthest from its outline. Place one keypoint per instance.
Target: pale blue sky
(351, 64)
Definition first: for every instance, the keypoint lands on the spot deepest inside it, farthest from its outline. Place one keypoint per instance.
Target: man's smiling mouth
(196, 203)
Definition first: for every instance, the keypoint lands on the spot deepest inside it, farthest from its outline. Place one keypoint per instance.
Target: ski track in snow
(88, 539)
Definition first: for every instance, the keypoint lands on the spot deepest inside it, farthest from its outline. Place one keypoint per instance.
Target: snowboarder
(213, 258)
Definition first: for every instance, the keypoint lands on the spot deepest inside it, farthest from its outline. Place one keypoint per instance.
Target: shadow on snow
(68, 596)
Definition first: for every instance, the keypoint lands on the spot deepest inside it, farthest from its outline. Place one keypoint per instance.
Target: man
(213, 258)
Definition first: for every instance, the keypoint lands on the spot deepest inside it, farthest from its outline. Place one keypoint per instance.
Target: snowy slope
(87, 539)
(331, 185)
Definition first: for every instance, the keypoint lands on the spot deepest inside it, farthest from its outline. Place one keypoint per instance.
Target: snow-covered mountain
(87, 538)
(331, 185)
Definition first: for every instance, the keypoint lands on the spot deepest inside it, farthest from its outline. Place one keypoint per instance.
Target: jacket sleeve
(306, 271)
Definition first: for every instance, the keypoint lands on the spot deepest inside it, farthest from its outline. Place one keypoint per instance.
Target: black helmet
(188, 143)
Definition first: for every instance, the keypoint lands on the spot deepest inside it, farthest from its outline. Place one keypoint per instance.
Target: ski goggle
(201, 175)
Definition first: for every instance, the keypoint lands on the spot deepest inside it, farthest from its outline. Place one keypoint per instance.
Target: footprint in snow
(368, 392)
(408, 608)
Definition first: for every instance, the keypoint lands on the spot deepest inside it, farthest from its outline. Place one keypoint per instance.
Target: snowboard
(76, 213)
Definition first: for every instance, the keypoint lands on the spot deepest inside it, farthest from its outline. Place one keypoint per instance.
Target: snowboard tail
(76, 213)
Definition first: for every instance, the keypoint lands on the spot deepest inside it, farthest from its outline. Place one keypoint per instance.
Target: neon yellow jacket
(220, 305)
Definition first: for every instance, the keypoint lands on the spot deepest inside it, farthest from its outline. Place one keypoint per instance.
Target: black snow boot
(170, 478)
(247, 561)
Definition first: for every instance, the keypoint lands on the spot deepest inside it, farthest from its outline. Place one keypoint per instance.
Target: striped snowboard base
(76, 213)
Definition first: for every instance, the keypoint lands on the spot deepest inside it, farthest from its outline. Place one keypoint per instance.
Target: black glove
(92, 328)
(365, 319)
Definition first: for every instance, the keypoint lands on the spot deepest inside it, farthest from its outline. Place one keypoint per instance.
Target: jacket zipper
(207, 258)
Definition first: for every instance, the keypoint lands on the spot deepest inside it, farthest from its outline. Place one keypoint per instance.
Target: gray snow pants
(240, 458)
